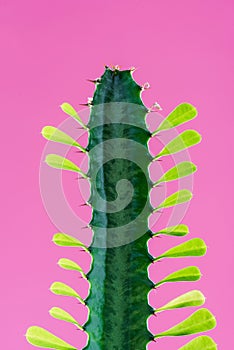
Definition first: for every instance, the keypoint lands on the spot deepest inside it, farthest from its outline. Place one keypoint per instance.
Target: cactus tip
(116, 67)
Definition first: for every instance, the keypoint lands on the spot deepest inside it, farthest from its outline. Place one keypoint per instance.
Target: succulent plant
(118, 174)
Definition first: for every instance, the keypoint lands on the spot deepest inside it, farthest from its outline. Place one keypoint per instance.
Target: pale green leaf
(63, 315)
(181, 142)
(179, 197)
(200, 343)
(58, 162)
(200, 321)
(54, 134)
(68, 109)
(180, 115)
(60, 288)
(193, 247)
(40, 337)
(177, 172)
(179, 230)
(187, 274)
(64, 240)
(68, 264)
(192, 298)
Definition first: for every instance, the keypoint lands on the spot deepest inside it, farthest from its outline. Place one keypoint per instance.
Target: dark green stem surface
(119, 280)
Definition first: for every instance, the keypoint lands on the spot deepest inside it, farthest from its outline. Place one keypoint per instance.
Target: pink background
(48, 50)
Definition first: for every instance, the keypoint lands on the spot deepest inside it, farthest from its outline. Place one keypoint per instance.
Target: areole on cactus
(118, 173)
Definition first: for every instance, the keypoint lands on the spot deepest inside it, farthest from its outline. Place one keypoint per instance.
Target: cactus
(119, 281)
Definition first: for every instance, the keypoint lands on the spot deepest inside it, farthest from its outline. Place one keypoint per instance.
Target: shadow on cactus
(118, 174)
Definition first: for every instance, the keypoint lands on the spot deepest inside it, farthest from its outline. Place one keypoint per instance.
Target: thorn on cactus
(95, 81)
(145, 86)
(155, 108)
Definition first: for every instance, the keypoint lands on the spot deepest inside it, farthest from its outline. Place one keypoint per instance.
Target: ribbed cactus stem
(119, 280)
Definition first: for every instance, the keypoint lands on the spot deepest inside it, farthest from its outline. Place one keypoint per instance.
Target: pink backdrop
(48, 50)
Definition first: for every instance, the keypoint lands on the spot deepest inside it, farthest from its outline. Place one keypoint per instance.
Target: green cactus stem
(120, 284)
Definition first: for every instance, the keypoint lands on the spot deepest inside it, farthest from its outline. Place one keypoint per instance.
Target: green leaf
(200, 321)
(64, 240)
(68, 109)
(193, 247)
(176, 198)
(177, 172)
(192, 298)
(40, 337)
(203, 342)
(179, 230)
(180, 115)
(187, 274)
(63, 315)
(60, 288)
(58, 162)
(54, 134)
(68, 264)
(181, 142)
